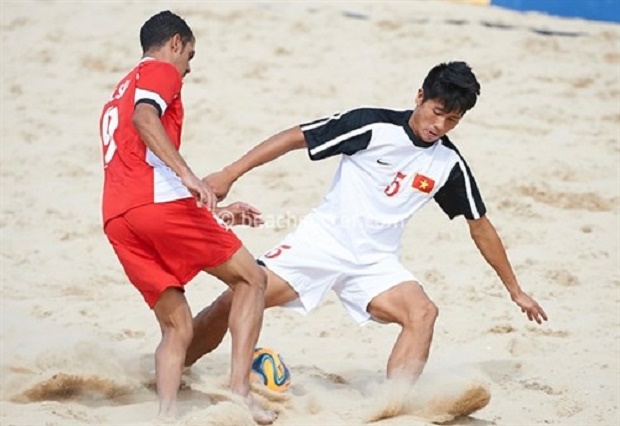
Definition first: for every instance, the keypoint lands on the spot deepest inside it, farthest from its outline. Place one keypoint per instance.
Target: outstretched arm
(265, 152)
(490, 245)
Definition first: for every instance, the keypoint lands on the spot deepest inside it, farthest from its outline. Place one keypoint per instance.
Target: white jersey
(385, 175)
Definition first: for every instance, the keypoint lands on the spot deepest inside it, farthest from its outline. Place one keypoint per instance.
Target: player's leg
(175, 320)
(187, 240)
(211, 324)
(409, 306)
(247, 281)
(163, 293)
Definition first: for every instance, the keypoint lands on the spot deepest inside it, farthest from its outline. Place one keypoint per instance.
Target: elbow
(299, 140)
(479, 227)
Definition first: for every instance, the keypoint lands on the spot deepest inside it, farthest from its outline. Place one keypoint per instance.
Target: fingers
(245, 207)
(537, 314)
(241, 214)
(200, 190)
(543, 314)
(205, 198)
(254, 210)
(255, 221)
(250, 219)
(246, 214)
(210, 202)
(531, 308)
(198, 197)
(252, 216)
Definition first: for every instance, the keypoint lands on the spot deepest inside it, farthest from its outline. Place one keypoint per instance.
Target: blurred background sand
(77, 340)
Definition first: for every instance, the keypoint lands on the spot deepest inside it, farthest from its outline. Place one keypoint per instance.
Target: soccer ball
(268, 367)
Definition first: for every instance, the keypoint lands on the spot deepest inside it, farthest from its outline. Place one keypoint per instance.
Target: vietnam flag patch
(423, 183)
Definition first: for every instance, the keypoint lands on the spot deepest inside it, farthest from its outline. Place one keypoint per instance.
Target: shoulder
(374, 114)
(448, 145)
(453, 152)
(363, 118)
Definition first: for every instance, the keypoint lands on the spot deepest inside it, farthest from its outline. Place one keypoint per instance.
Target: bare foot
(167, 413)
(261, 416)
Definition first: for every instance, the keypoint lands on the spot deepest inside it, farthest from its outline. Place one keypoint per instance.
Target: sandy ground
(77, 340)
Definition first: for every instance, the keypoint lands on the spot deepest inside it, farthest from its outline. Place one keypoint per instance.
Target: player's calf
(407, 305)
(174, 317)
(209, 327)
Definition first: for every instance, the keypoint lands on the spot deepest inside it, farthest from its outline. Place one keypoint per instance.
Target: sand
(543, 142)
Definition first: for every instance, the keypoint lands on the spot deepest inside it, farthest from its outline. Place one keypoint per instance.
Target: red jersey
(133, 174)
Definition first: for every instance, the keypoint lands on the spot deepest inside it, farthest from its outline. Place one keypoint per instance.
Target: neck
(155, 54)
(411, 123)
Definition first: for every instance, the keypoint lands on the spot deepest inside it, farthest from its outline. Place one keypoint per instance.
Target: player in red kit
(161, 219)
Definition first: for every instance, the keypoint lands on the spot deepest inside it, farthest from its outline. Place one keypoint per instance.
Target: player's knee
(178, 328)
(422, 313)
(257, 278)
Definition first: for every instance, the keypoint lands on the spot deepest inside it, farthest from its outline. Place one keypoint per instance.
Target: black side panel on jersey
(460, 194)
(345, 133)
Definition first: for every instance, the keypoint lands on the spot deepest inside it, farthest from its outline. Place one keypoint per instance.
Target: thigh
(279, 292)
(142, 264)
(187, 238)
(309, 269)
(240, 269)
(364, 283)
(397, 304)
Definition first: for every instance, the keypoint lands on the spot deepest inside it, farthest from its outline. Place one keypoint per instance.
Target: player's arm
(341, 133)
(265, 152)
(460, 196)
(148, 124)
(490, 246)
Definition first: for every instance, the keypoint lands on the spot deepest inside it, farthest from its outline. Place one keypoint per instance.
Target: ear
(177, 43)
(419, 97)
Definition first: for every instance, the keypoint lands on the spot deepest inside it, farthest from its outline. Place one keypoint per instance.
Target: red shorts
(166, 245)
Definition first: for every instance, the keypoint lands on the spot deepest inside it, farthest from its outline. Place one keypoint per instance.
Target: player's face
(182, 55)
(187, 54)
(430, 121)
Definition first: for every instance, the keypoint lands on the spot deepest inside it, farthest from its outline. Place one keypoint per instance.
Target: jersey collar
(414, 139)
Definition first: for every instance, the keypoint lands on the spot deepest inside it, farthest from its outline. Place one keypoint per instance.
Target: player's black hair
(454, 85)
(162, 27)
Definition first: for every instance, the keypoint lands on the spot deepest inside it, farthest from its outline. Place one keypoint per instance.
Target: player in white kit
(392, 163)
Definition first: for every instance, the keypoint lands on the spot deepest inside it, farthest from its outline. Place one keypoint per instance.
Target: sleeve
(460, 194)
(157, 84)
(342, 133)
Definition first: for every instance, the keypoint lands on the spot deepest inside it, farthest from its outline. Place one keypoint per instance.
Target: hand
(240, 214)
(220, 182)
(530, 307)
(200, 191)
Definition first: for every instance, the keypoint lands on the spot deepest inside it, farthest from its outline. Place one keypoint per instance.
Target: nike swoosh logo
(383, 163)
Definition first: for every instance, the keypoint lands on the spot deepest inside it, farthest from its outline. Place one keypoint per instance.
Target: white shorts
(314, 263)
